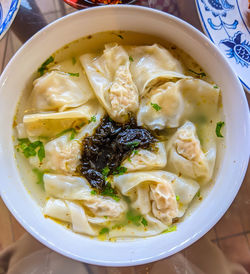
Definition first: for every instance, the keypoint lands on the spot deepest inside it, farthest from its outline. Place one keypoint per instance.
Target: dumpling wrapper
(111, 80)
(58, 91)
(58, 209)
(136, 185)
(147, 160)
(154, 227)
(170, 101)
(52, 123)
(79, 219)
(77, 188)
(71, 212)
(164, 205)
(176, 101)
(153, 65)
(185, 154)
(66, 187)
(62, 155)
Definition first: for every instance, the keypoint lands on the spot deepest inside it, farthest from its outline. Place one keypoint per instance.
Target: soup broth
(89, 102)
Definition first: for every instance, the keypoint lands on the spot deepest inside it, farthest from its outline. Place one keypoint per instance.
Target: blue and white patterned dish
(8, 10)
(225, 23)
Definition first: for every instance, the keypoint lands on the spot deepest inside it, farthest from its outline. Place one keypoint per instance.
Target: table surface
(232, 233)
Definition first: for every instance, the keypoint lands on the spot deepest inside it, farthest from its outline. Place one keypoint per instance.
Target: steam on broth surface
(116, 136)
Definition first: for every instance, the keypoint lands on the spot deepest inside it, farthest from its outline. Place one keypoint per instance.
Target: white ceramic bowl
(232, 167)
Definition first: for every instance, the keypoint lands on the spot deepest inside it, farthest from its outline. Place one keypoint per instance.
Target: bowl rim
(217, 215)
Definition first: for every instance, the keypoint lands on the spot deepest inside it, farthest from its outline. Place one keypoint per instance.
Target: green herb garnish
(133, 144)
(155, 106)
(41, 151)
(120, 170)
(109, 191)
(73, 60)
(72, 135)
(198, 194)
(129, 159)
(200, 74)
(170, 229)
(177, 198)
(74, 74)
(39, 175)
(219, 125)
(135, 152)
(215, 86)
(144, 221)
(30, 149)
(93, 192)
(104, 230)
(44, 65)
(105, 171)
(92, 119)
(134, 217)
(131, 59)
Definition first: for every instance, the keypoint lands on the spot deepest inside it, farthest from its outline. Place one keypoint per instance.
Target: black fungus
(111, 144)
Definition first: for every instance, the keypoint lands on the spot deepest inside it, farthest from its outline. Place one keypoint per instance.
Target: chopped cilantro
(170, 229)
(198, 194)
(219, 125)
(215, 86)
(72, 135)
(92, 119)
(41, 151)
(44, 65)
(144, 221)
(73, 60)
(200, 74)
(135, 152)
(39, 175)
(133, 144)
(155, 106)
(109, 191)
(177, 198)
(93, 192)
(120, 170)
(31, 149)
(131, 59)
(104, 230)
(106, 217)
(105, 171)
(134, 217)
(73, 74)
